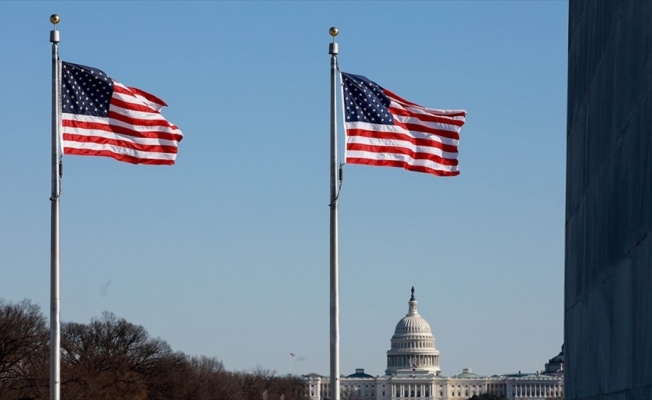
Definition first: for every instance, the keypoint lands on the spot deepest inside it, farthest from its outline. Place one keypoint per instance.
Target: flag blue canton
(86, 90)
(365, 101)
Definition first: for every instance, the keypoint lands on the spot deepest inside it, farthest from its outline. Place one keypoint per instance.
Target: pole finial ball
(54, 18)
(333, 31)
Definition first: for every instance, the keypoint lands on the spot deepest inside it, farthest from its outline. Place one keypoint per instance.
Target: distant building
(413, 372)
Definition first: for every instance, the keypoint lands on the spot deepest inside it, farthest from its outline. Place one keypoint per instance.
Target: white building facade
(413, 372)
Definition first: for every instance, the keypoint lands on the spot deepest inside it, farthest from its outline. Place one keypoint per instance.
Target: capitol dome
(412, 323)
(413, 345)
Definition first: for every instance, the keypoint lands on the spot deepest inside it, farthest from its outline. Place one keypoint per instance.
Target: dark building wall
(608, 278)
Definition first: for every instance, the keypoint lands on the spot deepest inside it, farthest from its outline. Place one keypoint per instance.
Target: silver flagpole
(55, 325)
(335, 313)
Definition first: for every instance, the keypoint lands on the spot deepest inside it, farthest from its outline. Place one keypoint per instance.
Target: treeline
(111, 358)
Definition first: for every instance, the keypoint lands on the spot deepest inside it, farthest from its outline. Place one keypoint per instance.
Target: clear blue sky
(226, 253)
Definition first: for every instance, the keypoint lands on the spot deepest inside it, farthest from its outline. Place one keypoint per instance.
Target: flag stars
(365, 101)
(86, 90)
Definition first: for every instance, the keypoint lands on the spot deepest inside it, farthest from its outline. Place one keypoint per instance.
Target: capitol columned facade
(413, 372)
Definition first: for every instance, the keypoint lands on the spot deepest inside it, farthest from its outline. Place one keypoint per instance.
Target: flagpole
(334, 294)
(55, 325)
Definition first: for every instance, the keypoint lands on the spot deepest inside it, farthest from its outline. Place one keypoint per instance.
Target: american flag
(102, 117)
(385, 130)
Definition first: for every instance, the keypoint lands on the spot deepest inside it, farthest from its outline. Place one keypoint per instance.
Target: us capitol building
(413, 372)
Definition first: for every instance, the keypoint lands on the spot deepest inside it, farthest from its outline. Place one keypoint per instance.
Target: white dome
(413, 323)
(413, 345)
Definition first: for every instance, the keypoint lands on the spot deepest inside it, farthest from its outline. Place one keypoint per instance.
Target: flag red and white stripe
(384, 129)
(120, 122)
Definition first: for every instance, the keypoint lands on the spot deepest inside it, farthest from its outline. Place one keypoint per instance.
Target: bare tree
(209, 379)
(206, 365)
(288, 388)
(349, 392)
(23, 350)
(108, 359)
(111, 358)
(170, 377)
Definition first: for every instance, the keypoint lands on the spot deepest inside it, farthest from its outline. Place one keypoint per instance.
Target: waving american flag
(102, 117)
(386, 130)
